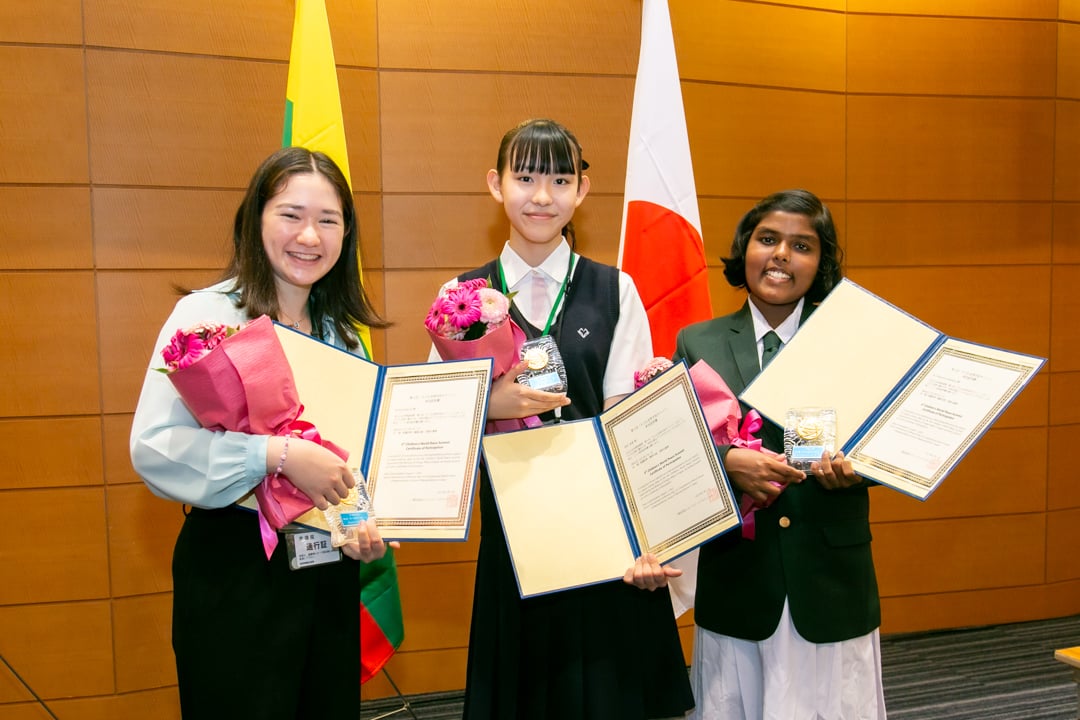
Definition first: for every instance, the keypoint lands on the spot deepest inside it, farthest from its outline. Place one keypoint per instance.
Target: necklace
(290, 323)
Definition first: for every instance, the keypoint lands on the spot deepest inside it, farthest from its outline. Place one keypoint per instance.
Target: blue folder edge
(899, 387)
(365, 461)
(631, 536)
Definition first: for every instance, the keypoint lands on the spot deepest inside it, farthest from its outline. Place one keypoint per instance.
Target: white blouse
(631, 345)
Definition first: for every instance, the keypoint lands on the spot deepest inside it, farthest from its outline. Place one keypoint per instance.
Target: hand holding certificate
(413, 432)
(642, 477)
(910, 401)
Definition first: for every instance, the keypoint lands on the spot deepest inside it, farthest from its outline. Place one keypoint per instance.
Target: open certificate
(910, 401)
(580, 500)
(414, 432)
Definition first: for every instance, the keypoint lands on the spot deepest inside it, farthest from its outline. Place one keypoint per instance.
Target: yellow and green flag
(313, 120)
(312, 100)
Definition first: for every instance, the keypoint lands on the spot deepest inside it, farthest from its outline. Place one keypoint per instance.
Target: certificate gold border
(724, 518)
(923, 484)
(444, 526)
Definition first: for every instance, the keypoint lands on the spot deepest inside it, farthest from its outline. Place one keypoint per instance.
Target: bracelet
(281, 460)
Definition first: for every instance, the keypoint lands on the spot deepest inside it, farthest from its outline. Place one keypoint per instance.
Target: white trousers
(786, 677)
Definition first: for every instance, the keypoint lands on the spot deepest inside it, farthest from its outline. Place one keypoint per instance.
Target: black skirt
(254, 639)
(601, 652)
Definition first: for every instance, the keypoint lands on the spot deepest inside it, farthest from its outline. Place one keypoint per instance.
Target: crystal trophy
(344, 518)
(545, 369)
(809, 432)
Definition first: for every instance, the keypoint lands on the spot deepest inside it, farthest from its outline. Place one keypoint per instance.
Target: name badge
(307, 549)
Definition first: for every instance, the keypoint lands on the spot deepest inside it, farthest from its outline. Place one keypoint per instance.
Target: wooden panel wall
(945, 145)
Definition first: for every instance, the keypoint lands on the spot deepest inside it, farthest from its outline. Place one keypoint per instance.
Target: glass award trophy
(809, 432)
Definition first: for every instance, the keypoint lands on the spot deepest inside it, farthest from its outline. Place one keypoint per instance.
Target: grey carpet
(1001, 672)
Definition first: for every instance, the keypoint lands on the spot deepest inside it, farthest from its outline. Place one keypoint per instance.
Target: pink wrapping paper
(722, 412)
(245, 385)
(503, 346)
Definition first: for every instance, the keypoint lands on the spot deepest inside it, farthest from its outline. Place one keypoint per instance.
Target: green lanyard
(558, 298)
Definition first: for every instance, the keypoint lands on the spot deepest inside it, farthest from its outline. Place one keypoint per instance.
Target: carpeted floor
(1003, 672)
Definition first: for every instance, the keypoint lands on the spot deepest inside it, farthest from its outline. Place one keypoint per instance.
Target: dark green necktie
(770, 344)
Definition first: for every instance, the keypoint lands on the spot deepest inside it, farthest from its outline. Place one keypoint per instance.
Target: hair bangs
(545, 151)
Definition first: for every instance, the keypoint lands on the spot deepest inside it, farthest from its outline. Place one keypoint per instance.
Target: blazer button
(785, 522)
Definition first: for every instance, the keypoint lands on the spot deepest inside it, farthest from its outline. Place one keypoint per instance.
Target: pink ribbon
(751, 423)
(280, 502)
(306, 431)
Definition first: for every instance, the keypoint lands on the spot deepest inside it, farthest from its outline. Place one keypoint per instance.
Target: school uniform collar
(515, 269)
(785, 330)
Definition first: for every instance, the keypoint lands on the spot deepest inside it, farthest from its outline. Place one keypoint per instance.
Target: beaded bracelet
(281, 460)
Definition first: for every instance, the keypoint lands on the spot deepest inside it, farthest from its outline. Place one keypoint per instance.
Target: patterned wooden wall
(944, 144)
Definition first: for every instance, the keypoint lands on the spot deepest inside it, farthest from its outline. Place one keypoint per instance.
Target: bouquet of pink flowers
(652, 368)
(467, 310)
(470, 319)
(723, 413)
(189, 346)
(238, 379)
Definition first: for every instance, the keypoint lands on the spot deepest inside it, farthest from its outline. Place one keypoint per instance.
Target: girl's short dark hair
(545, 147)
(338, 295)
(801, 202)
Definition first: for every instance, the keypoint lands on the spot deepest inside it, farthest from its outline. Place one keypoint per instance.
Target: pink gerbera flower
(462, 305)
(434, 319)
(183, 350)
(188, 346)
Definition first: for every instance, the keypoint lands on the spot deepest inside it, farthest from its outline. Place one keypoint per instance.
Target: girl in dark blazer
(787, 622)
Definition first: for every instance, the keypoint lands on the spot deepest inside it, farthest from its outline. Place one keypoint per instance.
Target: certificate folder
(580, 500)
(910, 401)
(414, 431)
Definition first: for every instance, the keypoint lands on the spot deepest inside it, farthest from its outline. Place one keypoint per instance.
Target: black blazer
(812, 545)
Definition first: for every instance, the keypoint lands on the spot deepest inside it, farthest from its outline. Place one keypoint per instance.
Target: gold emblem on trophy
(536, 358)
(544, 369)
(810, 429)
(809, 432)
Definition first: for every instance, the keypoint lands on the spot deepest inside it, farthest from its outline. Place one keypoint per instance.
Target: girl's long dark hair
(545, 147)
(338, 295)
